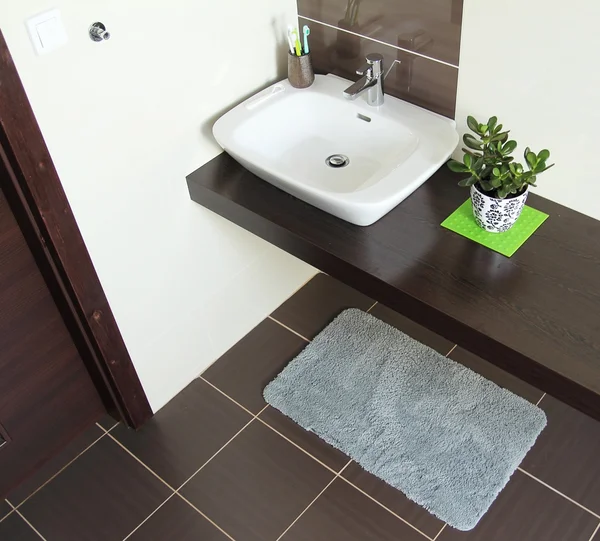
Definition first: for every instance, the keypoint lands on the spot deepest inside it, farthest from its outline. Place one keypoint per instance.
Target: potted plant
(499, 185)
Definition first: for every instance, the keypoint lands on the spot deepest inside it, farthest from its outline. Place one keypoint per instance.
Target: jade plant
(489, 162)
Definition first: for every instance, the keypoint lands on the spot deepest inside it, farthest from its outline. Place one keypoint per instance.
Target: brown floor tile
(317, 304)
(309, 441)
(497, 375)
(244, 371)
(342, 513)
(185, 433)
(567, 454)
(393, 499)
(257, 485)
(102, 496)
(528, 511)
(14, 528)
(414, 330)
(107, 422)
(178, 521)
(5, 509)
(54, 465)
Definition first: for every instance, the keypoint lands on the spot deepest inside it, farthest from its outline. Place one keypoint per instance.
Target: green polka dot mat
(461, 221)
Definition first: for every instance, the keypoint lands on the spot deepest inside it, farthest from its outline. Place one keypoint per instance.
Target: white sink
(285, 136)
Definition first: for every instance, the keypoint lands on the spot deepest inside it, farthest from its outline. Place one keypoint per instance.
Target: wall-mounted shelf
(536, 315)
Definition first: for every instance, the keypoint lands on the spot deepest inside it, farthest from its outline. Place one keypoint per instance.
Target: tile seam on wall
(315, 499)
(558, 492)
(362, 36)
(595, 532)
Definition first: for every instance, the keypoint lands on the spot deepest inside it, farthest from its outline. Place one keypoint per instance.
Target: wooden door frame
(37, 198)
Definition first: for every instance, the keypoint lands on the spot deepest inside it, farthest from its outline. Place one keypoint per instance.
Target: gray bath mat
(445, 436)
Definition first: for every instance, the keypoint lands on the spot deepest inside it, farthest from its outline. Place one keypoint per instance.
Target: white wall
(125, 120)
(534, 64)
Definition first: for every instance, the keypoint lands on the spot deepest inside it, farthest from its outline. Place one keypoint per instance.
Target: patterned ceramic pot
(496, 215)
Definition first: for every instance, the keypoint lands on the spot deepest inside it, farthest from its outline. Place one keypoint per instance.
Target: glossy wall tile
(420, 42)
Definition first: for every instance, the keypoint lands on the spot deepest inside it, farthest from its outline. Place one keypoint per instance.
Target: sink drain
(337, 160)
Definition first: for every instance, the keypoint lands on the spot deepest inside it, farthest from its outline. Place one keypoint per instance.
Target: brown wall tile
(419, 80)
(431, 27)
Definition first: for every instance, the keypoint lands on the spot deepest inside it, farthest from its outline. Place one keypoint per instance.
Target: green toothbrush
(306, 32)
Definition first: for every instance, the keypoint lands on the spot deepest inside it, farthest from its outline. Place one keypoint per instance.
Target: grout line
(557, 492)
(316, 498)
(223, 447)
(106, 431)
(142, 463)
(440, 532)
(386, 508)
(373, 306)
(207, 518)
(595, 532)
(538, 402)
(296, 445)
(28, 523)
(227, 396)
(148, 517)
(381, 42)
(257, 417)
(288, 328)
(453, 348)
(58, 472)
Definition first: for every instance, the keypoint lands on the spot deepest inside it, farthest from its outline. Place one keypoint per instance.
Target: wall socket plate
(46, 31)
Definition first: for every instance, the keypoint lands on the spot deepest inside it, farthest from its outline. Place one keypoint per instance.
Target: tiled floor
(217, 463)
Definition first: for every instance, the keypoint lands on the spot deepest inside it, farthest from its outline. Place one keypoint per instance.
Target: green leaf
(496, 172)
(492, 123)
(498, 128)
(467, 160)
(503, 136)
(531, 159)
(486, 186)
(509, 147)
(483, 128)
(471, 142)
(543, 155)
(467, 181)
(457, 167)
(496, 182)
(473, 124)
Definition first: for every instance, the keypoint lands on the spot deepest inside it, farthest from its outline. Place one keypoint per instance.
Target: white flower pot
(496, 215)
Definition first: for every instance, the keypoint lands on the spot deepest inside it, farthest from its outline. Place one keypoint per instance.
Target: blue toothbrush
(306, 32)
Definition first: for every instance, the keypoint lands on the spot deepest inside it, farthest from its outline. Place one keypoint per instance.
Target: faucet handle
(367, 70)
(373, 67)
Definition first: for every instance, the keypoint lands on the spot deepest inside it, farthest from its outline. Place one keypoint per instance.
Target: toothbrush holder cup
(300, 71)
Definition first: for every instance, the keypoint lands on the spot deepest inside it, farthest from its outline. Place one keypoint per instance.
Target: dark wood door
(46, 393)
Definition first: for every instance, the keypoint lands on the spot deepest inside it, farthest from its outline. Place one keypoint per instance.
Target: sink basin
(347, 158)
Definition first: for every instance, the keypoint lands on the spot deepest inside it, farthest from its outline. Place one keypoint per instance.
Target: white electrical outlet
(46, 31)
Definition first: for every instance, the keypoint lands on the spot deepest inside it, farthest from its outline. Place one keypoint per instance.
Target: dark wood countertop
(536, 315)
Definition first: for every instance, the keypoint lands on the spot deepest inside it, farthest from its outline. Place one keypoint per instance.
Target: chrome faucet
(372, 81)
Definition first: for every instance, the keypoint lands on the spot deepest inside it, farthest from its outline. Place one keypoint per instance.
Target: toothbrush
(306, 32)
(291, 39)
(297, 42)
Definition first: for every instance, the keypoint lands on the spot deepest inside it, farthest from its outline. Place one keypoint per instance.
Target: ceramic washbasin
(287, 137)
